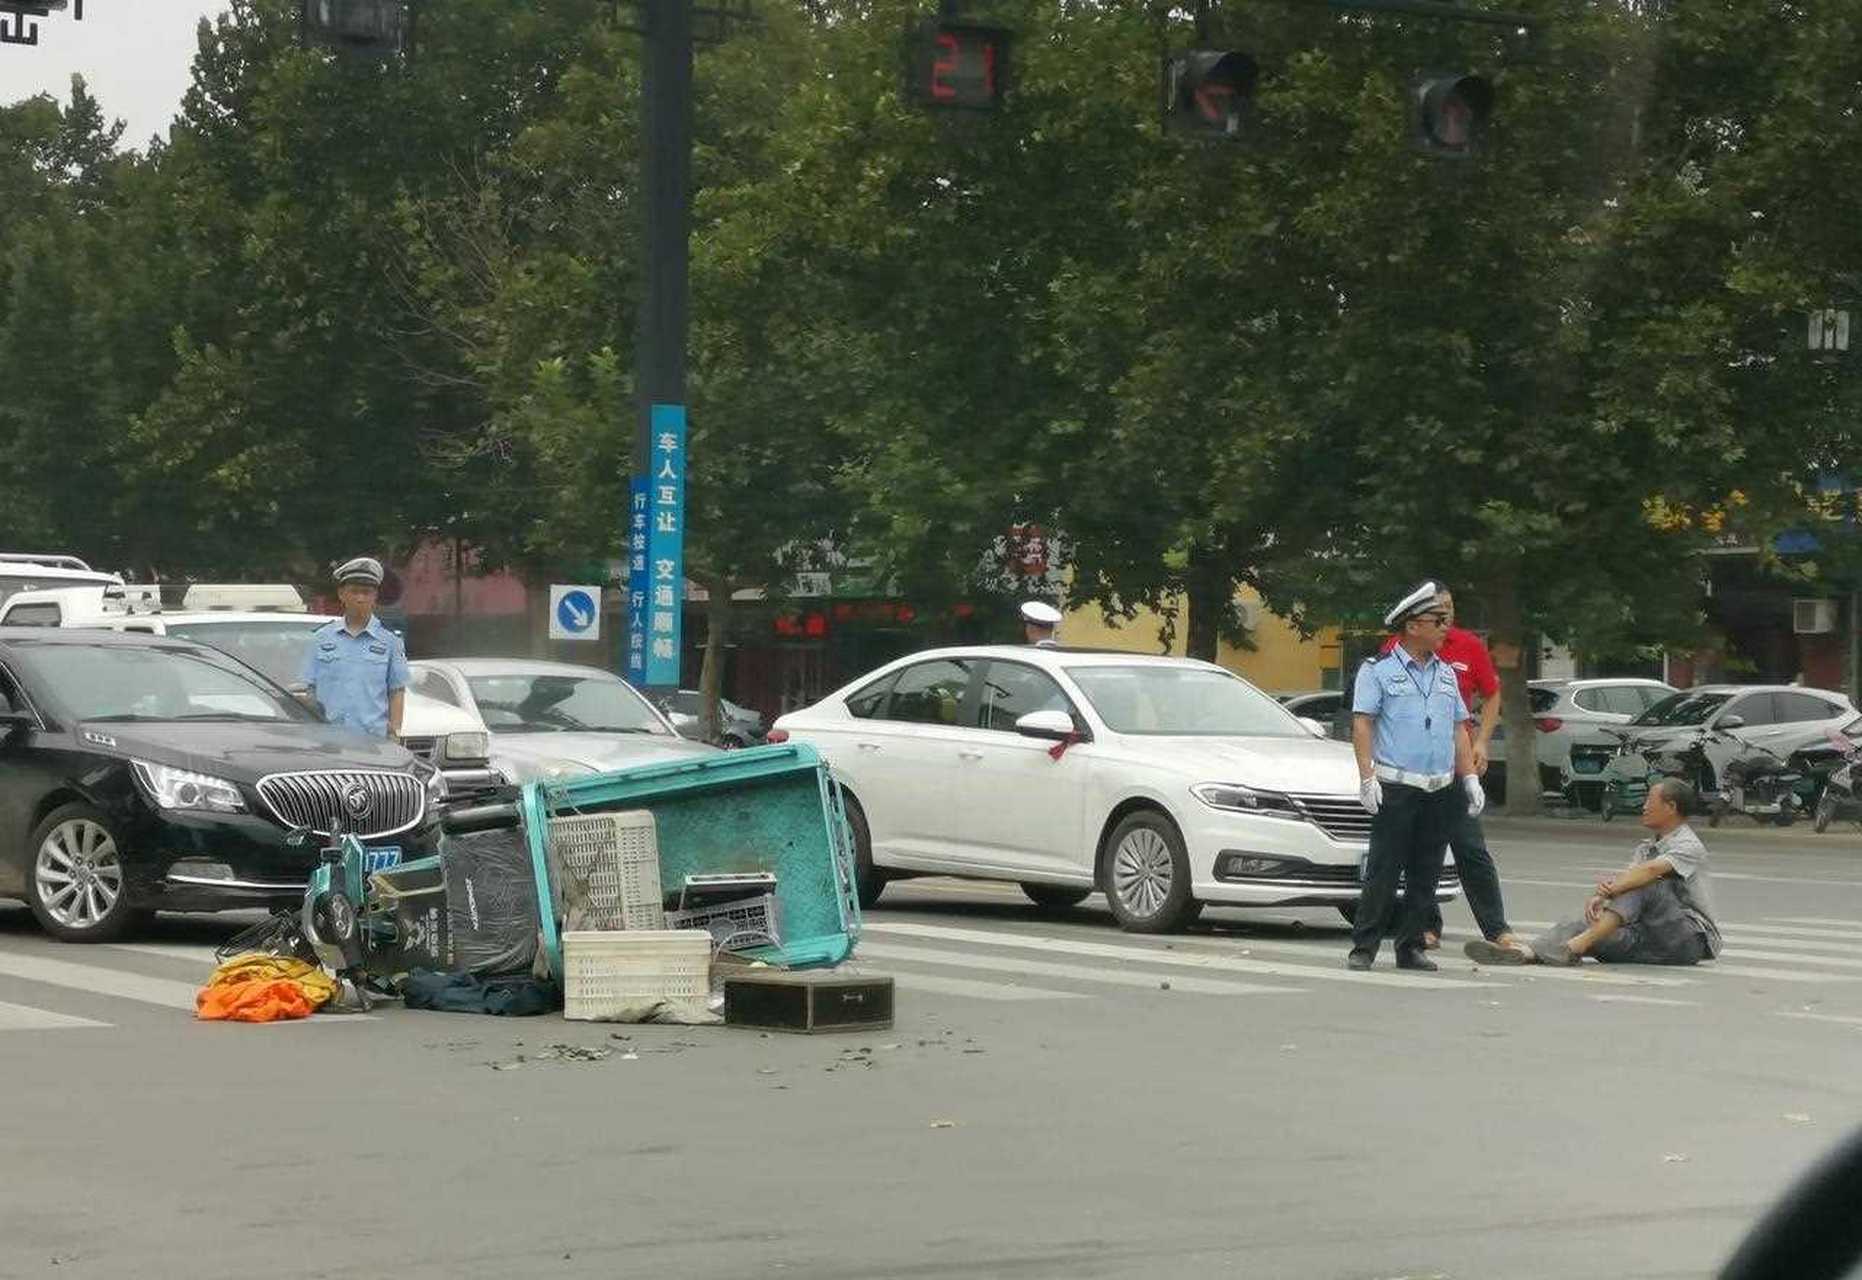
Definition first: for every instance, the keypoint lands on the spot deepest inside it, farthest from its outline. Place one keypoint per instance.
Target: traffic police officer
(1416, 775)
(356, 669)
(1039, 619)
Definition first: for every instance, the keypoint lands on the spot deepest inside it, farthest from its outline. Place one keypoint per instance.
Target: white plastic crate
(606, 870)
(609, 976)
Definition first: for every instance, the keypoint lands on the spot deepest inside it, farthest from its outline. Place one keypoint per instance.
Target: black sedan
(140, 772)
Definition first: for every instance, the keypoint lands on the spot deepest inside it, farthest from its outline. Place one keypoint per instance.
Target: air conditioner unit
(1813, 617)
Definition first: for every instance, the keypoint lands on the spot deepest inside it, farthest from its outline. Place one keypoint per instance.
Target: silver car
(1743, 717)
(553, 720)
(1568, 711)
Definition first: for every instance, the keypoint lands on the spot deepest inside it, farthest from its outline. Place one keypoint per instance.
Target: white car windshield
(553, 703)
(111, 682)
(1183, 701)
(275, 648)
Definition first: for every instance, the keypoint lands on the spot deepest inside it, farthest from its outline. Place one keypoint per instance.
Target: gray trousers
(1655, 930)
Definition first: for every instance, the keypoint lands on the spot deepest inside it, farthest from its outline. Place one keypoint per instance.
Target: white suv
(1568, 711)
(1167, 782)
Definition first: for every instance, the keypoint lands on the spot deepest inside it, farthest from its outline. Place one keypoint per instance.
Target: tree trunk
(711, 675)
(1511, 643)
(1207, 587)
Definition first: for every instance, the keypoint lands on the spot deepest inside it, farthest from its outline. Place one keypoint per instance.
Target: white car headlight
(456, 748)
(1239, 799)
(173, 788)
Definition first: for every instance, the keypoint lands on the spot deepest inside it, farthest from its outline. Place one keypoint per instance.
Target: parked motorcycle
(1759, 783)
(1632, 769)
(1837, 798)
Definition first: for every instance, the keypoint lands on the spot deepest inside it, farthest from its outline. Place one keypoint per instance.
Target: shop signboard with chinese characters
(638, 582)
(665, 587)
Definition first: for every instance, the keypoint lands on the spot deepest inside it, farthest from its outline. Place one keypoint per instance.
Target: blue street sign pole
(666, 545)
(638, 583)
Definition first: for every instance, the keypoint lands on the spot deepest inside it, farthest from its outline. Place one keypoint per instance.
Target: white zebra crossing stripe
(18, 1017)
(1771, 975)
(1076, 972)
(1187, 959)
(1814, 920)
(1838, 1018)
(1791, 957)
(1617, 999)
(164, 992)
(170, 951)
(943, 986)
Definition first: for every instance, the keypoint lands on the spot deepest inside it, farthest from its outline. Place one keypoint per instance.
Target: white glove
(1477, 799)
(1371, 795)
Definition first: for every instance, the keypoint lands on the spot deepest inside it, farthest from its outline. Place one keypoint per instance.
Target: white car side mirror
(1313, 727)
(1054, 725)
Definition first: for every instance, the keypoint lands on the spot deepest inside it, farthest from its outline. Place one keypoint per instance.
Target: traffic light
(957, 64)
(1451, 113)
(1208, 92)
(374, 27)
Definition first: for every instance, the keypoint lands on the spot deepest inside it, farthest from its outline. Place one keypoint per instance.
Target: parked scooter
(1837, 798)
(1632, 769)
(1759, 783)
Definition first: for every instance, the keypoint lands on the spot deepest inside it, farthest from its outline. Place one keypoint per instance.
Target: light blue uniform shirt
(351, 675)
(1417, 706)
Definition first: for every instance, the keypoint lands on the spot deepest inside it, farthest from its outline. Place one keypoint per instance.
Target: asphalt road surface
(1057, 1099)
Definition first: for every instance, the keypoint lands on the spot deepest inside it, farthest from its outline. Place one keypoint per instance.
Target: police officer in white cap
(356, 670)
(1416, 775)
(1039, 620)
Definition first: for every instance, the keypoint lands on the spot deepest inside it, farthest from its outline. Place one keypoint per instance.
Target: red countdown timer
(958, 65)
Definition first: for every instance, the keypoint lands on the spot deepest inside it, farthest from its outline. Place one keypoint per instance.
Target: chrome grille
(1341, 817)
(397, 801)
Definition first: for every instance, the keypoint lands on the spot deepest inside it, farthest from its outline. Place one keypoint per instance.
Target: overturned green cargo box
(769, 809)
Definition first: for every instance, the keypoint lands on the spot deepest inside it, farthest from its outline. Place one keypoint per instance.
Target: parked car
(552, 720)
(1329, 707)
(1568, 711)
(1780, 718)
(144, 772)
(1169, 783)
(740, 727)
(274, 644)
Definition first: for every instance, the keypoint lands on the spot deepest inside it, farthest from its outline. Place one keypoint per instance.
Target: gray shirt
(1692, 884)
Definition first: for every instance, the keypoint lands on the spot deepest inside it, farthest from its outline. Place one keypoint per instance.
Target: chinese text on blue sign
(666, 545)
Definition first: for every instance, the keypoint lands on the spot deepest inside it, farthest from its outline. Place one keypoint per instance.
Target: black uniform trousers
(1408, 832)
(1480, 879)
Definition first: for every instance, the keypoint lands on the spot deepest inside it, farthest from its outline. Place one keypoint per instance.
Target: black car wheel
(79, 888)
(868, 880)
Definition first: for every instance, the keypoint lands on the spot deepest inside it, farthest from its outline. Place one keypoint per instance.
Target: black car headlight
(172, 788)
(1239, 799)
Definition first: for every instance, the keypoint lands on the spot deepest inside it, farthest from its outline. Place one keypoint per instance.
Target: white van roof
(93, 604)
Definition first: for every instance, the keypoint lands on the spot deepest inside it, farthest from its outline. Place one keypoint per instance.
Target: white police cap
(1040, 614)
(1414, 602)
(364, 569)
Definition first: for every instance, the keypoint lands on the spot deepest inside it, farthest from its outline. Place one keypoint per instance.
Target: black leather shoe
(1417, 959)
(1359, 961)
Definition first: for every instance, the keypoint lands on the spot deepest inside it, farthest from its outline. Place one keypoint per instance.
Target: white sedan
(1166, 782)
(554, 720)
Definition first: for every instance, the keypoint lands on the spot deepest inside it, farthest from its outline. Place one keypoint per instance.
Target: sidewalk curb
(1847, 840)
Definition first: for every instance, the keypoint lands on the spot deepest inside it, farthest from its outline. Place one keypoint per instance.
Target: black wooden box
(779, 1000)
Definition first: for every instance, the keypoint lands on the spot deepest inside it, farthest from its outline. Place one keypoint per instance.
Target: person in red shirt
(1480, 879)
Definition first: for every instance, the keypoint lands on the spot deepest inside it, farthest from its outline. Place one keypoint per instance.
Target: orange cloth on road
(263, 988)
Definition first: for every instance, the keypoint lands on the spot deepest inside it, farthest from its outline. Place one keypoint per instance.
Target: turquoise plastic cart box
(772, 809)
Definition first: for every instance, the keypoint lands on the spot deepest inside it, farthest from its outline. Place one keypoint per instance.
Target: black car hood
(245, 752)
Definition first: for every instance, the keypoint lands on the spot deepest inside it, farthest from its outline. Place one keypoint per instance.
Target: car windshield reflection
(1683, 708)
(125, 684)
(561, 704)
(1183, 701)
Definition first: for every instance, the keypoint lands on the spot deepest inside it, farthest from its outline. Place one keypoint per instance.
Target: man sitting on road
(1658, 910)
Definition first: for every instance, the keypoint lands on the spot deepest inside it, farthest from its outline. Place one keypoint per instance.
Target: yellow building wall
(1281, 662)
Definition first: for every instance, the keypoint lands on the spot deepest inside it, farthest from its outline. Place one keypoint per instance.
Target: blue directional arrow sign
(575, 613)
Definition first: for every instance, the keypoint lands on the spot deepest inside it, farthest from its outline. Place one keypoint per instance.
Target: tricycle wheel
(1826, 813)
